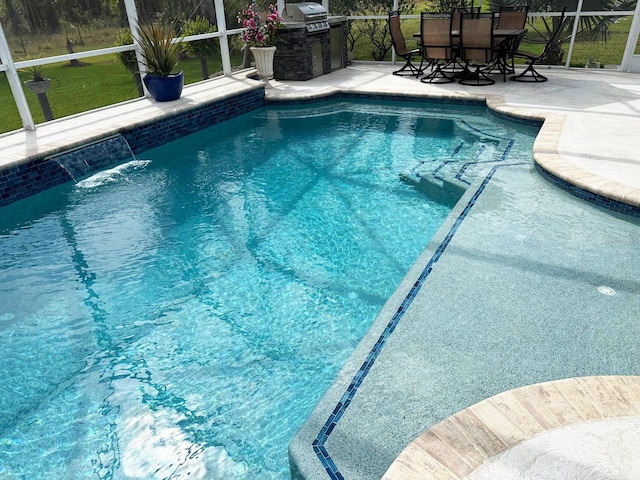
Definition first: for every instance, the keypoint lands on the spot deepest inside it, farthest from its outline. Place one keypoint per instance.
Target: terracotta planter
(264, 61)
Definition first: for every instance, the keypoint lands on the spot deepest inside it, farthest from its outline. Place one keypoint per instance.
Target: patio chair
(512, 18)
(477, 48)
(435, 40)
(530, 74)
(509, 18)
(456, 19)
(400, 47)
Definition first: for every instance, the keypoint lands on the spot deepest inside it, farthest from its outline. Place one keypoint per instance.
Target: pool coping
(457, 446)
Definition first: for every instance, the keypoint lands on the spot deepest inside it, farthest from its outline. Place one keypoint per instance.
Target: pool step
(455, 447)
(444, 191)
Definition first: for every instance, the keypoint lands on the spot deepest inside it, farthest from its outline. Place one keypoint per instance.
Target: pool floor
(533, 285)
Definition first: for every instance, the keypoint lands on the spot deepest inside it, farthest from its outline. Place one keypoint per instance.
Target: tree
(200, 49)
(13, 15)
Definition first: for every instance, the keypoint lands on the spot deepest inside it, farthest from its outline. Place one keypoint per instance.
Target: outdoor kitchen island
(313, 43)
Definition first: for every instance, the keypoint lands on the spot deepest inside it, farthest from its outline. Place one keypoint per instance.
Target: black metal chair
(437, 49)
(509, 18)
(400, 47)
(477, 48)
(456, 19)
(530, 74)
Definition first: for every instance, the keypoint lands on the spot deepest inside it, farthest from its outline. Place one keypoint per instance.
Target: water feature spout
(83, 161)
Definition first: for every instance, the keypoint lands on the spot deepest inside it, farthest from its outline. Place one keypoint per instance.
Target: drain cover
(603, 289)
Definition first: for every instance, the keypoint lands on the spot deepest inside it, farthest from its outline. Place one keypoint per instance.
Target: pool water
(180, 315)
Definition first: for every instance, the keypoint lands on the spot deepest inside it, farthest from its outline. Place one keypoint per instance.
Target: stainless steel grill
(311, 14)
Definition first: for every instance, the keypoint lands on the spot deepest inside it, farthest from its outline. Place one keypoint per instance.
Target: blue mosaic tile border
(377, 96)
(405, 98)
(145, 137)
(319, 442)
(25, 180)
(587, 196)
(41, 174)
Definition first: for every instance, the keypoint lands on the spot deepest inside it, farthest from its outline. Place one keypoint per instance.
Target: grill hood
(305, 12)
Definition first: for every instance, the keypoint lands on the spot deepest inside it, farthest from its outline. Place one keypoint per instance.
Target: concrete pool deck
(527, 258)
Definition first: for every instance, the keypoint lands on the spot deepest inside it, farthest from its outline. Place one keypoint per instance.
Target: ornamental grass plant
(160, 52)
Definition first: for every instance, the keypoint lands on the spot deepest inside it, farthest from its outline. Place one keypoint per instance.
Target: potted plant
(40, 85)
(261, 37)
(160, 55)
(37, 82)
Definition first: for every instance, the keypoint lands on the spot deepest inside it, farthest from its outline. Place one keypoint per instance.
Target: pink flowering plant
(256, 32)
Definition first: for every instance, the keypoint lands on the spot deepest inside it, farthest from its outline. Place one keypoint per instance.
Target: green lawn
(609, 53)
(103, 81)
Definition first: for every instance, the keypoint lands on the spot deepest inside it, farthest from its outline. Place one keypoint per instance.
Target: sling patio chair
(509, 18)
(400, 47)
(435, 40)
(530, 74)
(456, 19)
(477, 48)
(512, 18)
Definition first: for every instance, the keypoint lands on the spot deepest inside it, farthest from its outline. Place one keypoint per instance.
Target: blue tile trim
(25, 180)
(406, 98)
(503, 158)
(43, 173)
(587, 196)
(319, 442)
(145, 137)
(377, 96)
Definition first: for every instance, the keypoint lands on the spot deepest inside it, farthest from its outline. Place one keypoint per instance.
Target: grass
(609, 53)
(102, 81)
(35, 45)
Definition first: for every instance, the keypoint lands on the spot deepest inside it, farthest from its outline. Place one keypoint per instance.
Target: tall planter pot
(264, 61)
(164, 89)
(40, 88)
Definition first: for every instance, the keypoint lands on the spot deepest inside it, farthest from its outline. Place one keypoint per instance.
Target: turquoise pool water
(179, 316)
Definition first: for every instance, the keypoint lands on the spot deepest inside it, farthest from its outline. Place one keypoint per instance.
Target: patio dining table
(509, 41)
(499, 33)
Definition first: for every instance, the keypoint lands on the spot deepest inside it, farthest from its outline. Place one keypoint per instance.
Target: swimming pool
(182, 313)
